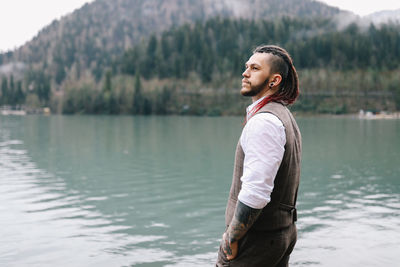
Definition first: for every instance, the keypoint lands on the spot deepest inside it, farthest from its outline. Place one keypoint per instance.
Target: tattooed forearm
(242, 221)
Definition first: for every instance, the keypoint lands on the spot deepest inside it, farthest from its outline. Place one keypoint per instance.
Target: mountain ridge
(119, 24)
(384, 16)
(138, 57)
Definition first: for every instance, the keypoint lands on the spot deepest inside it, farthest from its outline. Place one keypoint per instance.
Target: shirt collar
(250, 108)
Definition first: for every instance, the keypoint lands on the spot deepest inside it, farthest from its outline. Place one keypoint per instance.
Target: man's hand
(243, 219)
(230, 249)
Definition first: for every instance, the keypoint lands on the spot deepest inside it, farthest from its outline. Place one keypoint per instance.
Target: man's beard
(256, 89)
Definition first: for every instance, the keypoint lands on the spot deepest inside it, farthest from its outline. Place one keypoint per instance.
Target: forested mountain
(186, 56)
(92, 37)
(223, 45)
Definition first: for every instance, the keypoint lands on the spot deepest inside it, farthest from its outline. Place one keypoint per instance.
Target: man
(261, 214)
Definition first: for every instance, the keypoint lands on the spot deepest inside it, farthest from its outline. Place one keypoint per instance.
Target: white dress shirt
(263, 142)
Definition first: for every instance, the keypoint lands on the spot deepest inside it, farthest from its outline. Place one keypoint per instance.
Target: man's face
(256, 75)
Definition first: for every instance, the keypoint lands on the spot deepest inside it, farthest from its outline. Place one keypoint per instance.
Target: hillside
(93, 36)
(186, 56)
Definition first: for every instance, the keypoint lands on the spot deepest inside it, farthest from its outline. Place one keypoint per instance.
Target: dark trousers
(262, 249)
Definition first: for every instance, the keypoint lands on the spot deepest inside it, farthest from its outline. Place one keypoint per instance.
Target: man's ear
(275, 80)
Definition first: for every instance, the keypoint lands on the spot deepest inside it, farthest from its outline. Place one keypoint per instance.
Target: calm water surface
(151, 191)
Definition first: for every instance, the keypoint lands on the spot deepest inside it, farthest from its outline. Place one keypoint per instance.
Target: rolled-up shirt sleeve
(263, 142)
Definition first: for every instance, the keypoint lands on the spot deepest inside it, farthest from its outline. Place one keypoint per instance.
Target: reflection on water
(45, 224)
(350, 194)
(151, 191)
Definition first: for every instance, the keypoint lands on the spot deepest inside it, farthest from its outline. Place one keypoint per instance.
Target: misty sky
(20, 20)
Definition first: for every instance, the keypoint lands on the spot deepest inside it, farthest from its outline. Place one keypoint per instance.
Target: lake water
(151, 191)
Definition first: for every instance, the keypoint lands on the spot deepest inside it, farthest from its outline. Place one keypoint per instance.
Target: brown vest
(280, 212)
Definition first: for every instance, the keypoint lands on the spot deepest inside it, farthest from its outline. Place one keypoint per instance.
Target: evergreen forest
(196, 69)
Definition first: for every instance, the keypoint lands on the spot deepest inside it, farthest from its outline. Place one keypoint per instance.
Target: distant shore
(365, 115)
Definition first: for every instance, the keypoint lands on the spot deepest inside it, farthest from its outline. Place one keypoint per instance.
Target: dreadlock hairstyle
(280, 63)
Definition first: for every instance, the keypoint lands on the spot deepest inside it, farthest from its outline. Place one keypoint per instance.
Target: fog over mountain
(385, 16)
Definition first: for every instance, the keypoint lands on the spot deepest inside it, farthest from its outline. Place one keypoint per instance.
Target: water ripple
(45, 223)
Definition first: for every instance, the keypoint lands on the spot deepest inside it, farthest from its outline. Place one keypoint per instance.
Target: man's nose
(245, 73)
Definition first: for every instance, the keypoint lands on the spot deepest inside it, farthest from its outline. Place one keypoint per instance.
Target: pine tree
(151, 61)
(20, 96)
(12, 92)
(4, 91)
(137, 96)
(107, 82)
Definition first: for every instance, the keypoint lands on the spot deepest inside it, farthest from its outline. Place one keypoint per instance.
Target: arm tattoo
(242, 221)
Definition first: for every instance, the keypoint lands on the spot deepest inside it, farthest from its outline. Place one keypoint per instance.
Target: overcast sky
(20, 20)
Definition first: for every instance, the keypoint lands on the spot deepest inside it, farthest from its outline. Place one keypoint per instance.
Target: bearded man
(261, 211)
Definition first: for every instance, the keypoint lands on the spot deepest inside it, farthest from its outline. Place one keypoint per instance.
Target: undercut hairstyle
(282, 63)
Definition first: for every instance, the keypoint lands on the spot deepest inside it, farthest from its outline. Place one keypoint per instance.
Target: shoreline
(363, 115)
